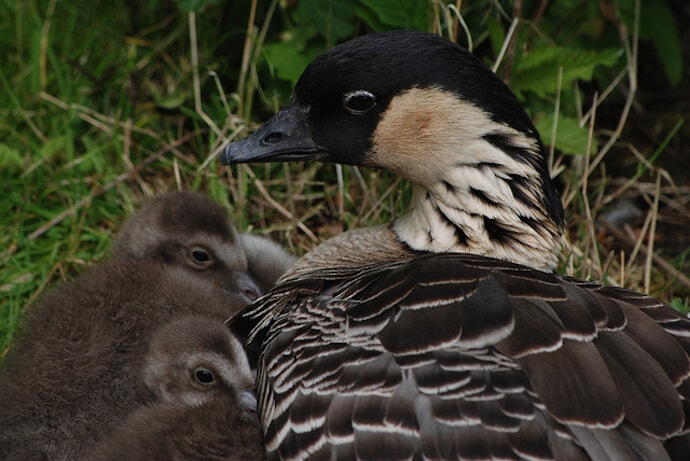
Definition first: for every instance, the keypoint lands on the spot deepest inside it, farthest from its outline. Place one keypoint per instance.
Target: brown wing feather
(444, 356)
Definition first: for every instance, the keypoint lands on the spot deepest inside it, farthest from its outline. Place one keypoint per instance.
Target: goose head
(193, 360)
(426, 109)
(191, 233)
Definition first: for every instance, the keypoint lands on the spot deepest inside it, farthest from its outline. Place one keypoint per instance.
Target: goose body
(200, 403)
(69, 376)
(445, 334)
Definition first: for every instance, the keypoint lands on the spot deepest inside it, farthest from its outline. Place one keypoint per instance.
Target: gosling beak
(247, 401)
(243, 285)
(285, 137)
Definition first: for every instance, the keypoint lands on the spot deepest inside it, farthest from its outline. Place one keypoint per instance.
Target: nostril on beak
(244, 285)
(273, 138)
(250, 294)
(247, 401)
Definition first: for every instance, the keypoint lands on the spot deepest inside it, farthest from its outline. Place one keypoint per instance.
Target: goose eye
(200, 258)
(204, 376)
(358, 102)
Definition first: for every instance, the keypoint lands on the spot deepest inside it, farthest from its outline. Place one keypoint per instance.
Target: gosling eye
(200, 258)
(204, 376)
(358, 102)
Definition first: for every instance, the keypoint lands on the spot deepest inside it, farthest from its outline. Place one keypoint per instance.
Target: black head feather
(386, 64)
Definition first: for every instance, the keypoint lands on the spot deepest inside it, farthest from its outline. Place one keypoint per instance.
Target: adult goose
(68, 379)
(445, 334)
(200, 401)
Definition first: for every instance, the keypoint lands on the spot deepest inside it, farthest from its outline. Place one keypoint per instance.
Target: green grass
(100, 109)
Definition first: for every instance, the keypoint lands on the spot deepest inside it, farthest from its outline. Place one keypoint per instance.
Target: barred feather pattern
(453, 356)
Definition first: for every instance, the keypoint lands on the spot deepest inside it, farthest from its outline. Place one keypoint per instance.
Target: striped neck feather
(492, 205)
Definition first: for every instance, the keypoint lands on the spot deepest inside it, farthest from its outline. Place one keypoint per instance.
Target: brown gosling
(202, 406)
(68, 377)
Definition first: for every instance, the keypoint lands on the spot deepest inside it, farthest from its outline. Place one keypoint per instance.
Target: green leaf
(371, 19)
(681, 305)
(168, 101)
(334, 19)
(288, 59)
(537, 71)
(497, 34)
(661, 26)
(394, 14)
(57, 146)
(10, 158)
(196, 5)
(570, 138)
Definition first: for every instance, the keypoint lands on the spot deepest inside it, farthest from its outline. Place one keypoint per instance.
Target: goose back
(449, 356)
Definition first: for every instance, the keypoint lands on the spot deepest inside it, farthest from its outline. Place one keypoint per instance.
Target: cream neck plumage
(476, 188)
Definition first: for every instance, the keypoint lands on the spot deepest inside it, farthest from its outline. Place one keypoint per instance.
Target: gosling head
(193, 360)
(189, 232)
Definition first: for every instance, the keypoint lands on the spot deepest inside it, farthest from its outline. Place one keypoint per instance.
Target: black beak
(286, 136)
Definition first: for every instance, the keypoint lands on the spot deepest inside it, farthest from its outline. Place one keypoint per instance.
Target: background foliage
(103, 105)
